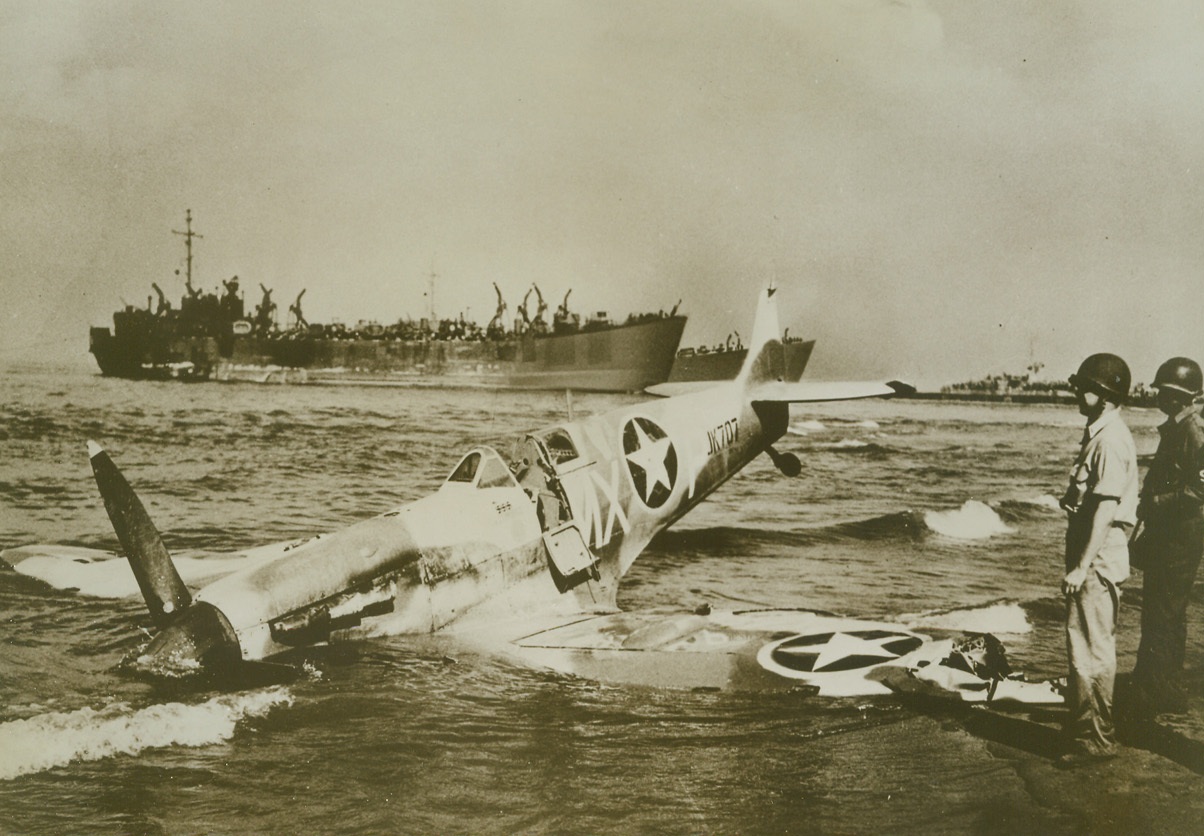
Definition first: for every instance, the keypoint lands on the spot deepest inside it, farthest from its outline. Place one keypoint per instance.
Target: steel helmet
(1105, 374)
(1181, 374)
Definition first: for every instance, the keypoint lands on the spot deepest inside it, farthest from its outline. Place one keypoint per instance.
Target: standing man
(1171, 505)
(1101, 502)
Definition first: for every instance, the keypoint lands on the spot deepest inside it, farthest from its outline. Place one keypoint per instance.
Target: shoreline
(1054, 398)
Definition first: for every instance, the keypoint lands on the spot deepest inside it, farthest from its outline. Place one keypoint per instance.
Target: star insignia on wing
(843, 651)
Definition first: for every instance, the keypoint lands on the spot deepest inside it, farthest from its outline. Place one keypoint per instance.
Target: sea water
(939, 514)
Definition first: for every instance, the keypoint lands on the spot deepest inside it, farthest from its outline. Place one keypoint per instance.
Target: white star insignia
(840, 646)
(650, 457)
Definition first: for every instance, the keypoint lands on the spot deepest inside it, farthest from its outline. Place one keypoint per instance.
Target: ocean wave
(725, 539)
(1037, 507)
(46, 741)
(733, 539)
(973, 521)
(902, 524)
(855, 446)
(1045, 501)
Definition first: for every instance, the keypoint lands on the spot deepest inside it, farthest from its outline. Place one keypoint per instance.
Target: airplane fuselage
(621, 477)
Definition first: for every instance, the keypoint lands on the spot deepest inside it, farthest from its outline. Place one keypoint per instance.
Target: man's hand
(1074, 581)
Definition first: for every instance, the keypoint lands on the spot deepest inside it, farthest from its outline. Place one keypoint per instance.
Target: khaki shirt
(1106, 468)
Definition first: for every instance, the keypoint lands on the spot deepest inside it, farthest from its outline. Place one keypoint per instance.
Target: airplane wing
(752, 650)
(105, 574)
(721, 649)
(818, 391)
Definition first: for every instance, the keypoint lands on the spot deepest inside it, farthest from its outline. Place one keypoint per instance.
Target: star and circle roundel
(651, 460)
(803, 656)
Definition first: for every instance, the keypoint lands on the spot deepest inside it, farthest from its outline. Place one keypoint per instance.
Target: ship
(212, 337)
(724, 361)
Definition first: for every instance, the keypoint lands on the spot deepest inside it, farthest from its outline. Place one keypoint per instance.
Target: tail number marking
(723, 436)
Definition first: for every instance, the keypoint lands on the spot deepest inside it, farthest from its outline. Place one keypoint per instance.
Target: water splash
(996, 617)
(973, 521)
(87, 734)
(804, 427)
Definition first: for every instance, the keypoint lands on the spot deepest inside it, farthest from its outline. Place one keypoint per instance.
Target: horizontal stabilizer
(682, 387)
(161, 586)
(818, 391)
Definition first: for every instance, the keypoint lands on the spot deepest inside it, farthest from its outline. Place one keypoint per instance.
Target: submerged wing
(736, 650)
(104, 574)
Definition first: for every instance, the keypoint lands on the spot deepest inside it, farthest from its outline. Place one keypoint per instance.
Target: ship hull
(620, 358)
(726, 364)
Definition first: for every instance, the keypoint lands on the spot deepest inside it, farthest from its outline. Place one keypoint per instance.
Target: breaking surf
(55, 739)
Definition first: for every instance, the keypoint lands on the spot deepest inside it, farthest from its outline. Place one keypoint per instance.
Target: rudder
(766, 358)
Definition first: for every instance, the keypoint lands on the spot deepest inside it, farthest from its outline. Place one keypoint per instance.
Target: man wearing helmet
(1101, 503)
(1170, 510)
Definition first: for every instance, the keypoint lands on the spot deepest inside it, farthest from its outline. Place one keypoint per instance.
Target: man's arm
(1102, 517)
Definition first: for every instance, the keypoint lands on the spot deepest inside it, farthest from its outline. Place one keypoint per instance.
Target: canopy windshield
(483, 468)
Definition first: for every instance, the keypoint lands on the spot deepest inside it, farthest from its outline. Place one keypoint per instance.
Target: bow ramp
(767, 378)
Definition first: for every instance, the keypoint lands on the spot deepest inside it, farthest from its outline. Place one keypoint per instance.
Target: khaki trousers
(1091, 649)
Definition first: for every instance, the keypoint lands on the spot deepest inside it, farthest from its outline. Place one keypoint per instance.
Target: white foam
(58, 738)
(804, 427)
(973, 521)
(999, 617)
(849, 444)
(869, 425)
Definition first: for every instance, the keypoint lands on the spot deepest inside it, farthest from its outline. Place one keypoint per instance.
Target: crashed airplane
(527, 556)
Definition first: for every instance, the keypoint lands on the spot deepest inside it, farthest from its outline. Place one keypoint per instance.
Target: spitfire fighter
(529, 552)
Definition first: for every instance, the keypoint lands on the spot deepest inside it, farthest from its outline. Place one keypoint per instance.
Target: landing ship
(215, 337)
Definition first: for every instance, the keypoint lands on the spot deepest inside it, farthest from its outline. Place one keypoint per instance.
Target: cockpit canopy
(559, 444)
(482, 467)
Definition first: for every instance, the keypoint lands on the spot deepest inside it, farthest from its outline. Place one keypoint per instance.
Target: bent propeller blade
(161, 586)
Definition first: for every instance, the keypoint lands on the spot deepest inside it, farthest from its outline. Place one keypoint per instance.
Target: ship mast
(431, 293)
(188, 236)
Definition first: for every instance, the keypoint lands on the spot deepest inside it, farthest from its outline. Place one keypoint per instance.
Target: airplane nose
(199, 640)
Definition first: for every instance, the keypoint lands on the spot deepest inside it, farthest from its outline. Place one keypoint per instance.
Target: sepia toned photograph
(581, 417)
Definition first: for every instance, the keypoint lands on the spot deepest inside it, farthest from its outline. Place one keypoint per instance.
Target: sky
(941, 190)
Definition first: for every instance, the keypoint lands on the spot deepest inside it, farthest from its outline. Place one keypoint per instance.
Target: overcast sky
(941, 189)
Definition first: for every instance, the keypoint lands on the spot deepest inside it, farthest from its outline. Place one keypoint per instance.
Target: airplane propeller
(193, 636)
(162, 588)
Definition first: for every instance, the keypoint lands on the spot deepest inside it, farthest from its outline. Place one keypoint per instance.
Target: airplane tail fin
(162, 588)
(766, 359)
(774, 365)
(773, 368)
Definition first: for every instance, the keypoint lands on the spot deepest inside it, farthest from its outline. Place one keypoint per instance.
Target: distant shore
(1020, 397)
(995, 397)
